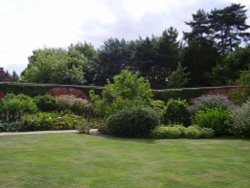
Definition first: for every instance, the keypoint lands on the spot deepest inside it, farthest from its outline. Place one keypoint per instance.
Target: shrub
(51, 121)
(239, 97)
(216, 119)
(45, 103)
(178, 131)
(241, 120)
(158, 105)
(128, 90)
(176, 112)
(192, 132)
(76, 105)
(10, 126)
(206, 102)
(206, 132)
(132, 122)
(13, 107)
(168, 132)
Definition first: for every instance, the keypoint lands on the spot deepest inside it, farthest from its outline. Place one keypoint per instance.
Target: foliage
(179, 131)
(206, 132)
(34, 90)
(200, 67)
(158, 105)
(176, 112)
(132, 122)
(227, 27)
(199, 26)
(241, 120)
(230, 69)
(92, 58)
(128, 90)
(55, 66)
(51, 121)
(192, 132)
(45, 103)
(244, 81)
(239, 97)
(216, 118)
(168, 132)
(206, 102)
(154, 57)
(76, 105)
(15, 77)
(178, 78)
(14, 106)
(184, 94)
(10, 126)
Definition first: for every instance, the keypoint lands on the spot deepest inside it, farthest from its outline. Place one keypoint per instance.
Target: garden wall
(83, 91)
(189, 93)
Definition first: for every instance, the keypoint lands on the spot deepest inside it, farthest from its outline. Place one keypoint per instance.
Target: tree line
(214, 52)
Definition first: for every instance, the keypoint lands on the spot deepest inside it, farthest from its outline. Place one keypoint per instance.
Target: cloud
(27, 25)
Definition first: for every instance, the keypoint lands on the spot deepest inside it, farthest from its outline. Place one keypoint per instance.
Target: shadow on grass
(153, 140)
(127, 139)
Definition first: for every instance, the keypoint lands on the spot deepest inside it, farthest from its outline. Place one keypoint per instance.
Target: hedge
(166, 94)
(33, 90)
(190, 93)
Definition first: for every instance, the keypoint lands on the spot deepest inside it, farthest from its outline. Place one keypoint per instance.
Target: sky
(27, 25)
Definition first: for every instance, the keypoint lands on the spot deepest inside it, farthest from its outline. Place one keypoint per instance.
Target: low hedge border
(32, 89)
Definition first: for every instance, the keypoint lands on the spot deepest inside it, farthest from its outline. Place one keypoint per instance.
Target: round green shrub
(176, 112)
(45, 103)
(168, 132)
(206, 132)
(216, 119)
(192, 132)
(241, 120)
(132, 122)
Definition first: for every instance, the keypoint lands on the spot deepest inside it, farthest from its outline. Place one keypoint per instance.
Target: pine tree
(229, 27)
(199, 25)
(178, 78)
(15, 76)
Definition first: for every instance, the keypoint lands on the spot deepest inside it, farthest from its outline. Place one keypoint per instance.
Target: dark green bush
(176, 112)
(241, 120)
(33, 90)
(192, 132)
(132, 122)
(216, 119)
(45, 103)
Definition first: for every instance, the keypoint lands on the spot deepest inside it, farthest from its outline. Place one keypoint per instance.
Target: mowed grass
(74, 160)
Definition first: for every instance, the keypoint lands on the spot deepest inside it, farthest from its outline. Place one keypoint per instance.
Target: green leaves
(127, 90)
(55, 66)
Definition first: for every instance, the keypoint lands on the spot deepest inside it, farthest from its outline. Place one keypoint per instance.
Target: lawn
(74, 160)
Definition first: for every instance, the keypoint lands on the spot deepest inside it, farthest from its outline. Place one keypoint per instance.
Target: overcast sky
(27, 25)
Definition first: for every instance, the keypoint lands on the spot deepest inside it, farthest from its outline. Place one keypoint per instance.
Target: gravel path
(91, 131)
